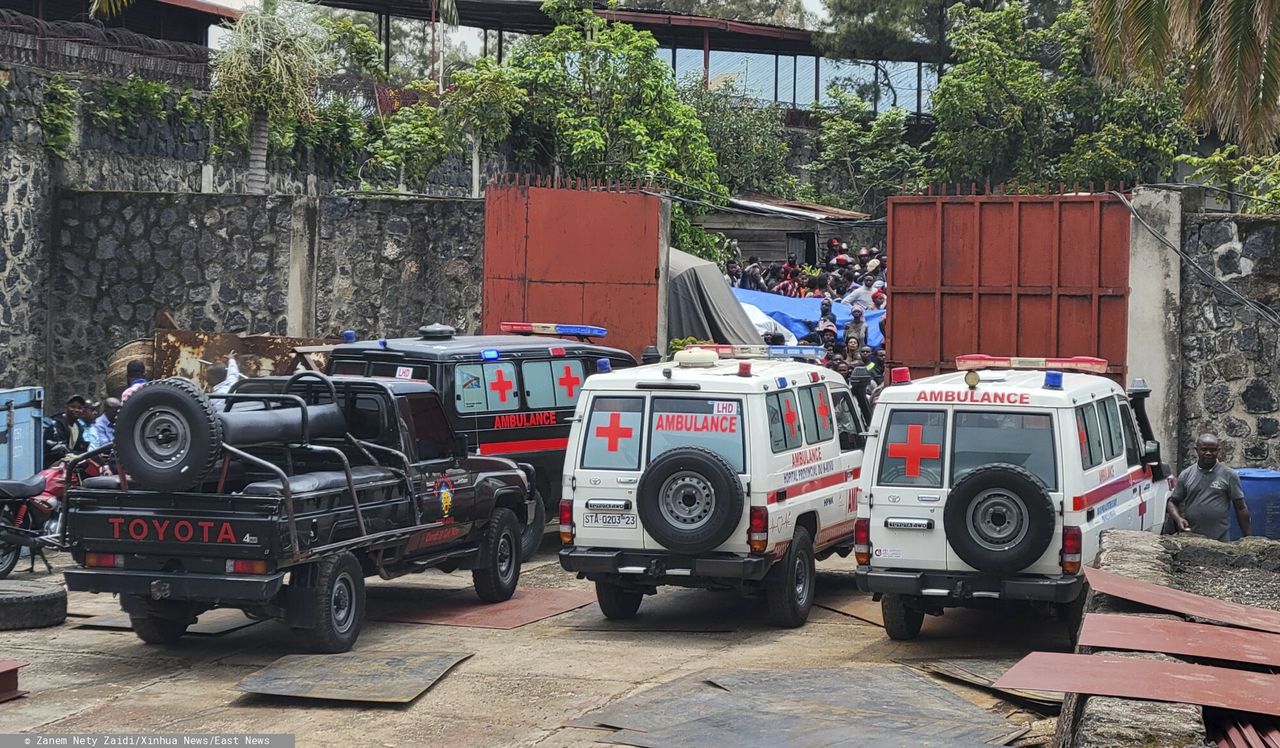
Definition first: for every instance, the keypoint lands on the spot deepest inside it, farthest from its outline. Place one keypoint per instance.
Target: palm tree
(269, 68)
(1231, 50)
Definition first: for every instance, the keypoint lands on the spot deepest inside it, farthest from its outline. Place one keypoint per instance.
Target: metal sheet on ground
(857, 605)
(462, 608)
(983, 673)
(1113, 631)
(693, 611)
(381, 677)
(211, 623)
(665, 704)
(1186, 603)
(1129, 678)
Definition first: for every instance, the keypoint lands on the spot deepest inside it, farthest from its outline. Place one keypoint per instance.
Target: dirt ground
(519, 688)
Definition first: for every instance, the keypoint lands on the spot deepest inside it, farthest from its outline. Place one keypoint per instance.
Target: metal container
(21, 432)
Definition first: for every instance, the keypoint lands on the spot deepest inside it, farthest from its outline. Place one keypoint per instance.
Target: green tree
(1230, 48)
(1253, 181)
(602, 105)
(749, 141)
(862, 159)
(1025, 105)
(481, 106)
(413, 141)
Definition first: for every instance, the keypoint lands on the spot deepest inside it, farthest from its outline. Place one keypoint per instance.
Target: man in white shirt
(222, 378)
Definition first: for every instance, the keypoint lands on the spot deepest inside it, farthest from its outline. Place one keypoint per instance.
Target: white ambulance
(994, 484)
(734, 472)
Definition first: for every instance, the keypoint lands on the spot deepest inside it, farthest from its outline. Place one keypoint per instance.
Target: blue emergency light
(603, 366)
(348, 336)
(763, 351)
(1053, 380)
(782, 383)
(489, 354)
(796, 351)
(382, 342)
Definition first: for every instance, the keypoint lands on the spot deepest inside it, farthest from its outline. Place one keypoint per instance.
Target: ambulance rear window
(1022, 439)
(698, 422)
(911, 455)
(612, 437)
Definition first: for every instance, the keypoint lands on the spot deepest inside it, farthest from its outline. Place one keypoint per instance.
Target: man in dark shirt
(1205, 492)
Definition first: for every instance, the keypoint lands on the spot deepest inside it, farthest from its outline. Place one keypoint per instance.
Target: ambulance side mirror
(1151, 452)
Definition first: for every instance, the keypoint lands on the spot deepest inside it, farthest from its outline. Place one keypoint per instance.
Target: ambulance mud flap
(690, 500)
(999, 518)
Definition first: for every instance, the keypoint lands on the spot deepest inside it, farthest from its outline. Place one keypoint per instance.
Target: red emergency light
(1075, 363)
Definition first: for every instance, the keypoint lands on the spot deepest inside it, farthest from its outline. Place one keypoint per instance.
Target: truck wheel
(616, 602)
(999, 518)
(533, 531)
(168, 435)
(31, 605)
(499, 572)
(690, 500)
(338, 604)
(901, 622)
(790, 594)
(157, 630)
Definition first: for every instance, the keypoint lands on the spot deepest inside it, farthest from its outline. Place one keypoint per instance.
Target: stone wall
(1230, 382)
(248, 264)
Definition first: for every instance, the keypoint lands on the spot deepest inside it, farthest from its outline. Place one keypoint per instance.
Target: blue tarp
(801, 315)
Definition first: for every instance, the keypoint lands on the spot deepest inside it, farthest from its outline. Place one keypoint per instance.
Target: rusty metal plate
(1113, 631)
(1128, 678)
(211, 623)
(9, 679)
(180, 353)
(1186, 603)
(461, 608)
(382, 677)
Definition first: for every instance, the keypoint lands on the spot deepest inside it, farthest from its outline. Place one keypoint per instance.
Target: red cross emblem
(569, 381)
(501, 385)
(914, 450)
(823, 410)
(789, 415)
(614, 432)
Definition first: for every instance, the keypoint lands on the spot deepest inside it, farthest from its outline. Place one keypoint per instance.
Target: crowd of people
(853, 278)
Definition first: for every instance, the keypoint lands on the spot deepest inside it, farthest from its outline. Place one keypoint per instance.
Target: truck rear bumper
(654, 567)
(163, 586)
(959, 588)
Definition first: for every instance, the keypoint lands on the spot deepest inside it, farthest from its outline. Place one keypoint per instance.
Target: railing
(109, 52)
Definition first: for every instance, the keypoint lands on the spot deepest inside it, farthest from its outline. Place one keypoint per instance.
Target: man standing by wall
(1204, 494)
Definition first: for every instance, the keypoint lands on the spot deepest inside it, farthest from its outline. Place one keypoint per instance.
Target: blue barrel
(1262, 495)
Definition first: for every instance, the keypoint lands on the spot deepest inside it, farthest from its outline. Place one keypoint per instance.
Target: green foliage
(353, 48)
(413, 141)
(777, 12)
(272, 62)
(602, 105)
(57, 115)
(126, 104)
(484, 101)
(1255, 176)
(675, 345)
(862, 159)
(188, 107)
(749, 141)
(1025, 105)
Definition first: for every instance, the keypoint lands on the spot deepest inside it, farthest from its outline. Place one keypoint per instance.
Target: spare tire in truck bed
(168, 435)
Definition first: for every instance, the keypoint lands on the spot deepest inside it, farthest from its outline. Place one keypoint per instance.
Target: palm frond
(108, 8)
(446, 11)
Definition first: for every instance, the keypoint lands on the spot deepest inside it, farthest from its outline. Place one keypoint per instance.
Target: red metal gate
(589, 254)
(1007, 275)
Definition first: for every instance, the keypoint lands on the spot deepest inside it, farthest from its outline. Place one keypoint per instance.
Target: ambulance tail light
(1087, 364)
(551, 328)
(104, 560)
(758, 529)
(862, 541)
(899, 375)
(566, 521)
(1072, 548)
(246, 566)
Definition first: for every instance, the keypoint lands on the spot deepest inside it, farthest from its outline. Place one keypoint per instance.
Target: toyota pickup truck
(281, 497)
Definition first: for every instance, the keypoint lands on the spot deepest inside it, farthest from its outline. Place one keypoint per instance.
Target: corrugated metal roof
(781, 206)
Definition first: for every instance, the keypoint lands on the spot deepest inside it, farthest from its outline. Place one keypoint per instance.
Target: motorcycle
(36, 523)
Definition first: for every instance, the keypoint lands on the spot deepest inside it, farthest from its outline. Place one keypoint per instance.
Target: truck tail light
(862, 541)
(246, 566)
(1072, 548)
(758, 529)
(566, 521)
(100, 560)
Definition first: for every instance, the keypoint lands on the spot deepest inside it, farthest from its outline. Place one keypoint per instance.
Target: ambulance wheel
(999, 518)
(168, 435)
(532, 532)
(617, 603)
(790, 594)
(690, 500)
(901, 622)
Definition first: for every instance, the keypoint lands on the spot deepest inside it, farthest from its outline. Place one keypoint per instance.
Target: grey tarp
(700, 304)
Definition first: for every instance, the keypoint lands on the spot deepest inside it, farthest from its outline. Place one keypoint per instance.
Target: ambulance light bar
(1075, 363)
(551, 328)
(764, 351)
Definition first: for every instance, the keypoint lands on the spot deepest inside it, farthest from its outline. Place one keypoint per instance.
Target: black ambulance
(512, 395)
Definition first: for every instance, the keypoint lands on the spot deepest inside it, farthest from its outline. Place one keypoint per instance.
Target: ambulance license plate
(610, 519)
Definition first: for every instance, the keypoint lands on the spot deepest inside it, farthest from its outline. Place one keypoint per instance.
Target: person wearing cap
(64, 432)
(855, 332)
(879, 300)
(861, 296)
